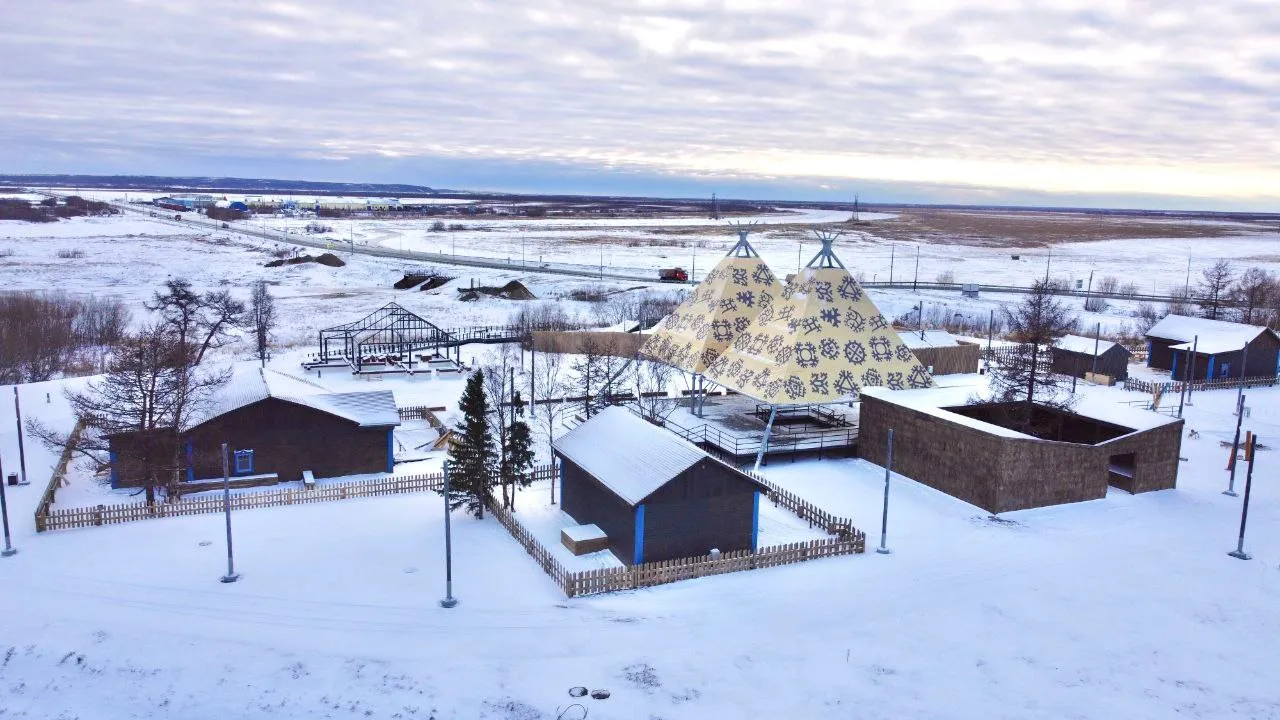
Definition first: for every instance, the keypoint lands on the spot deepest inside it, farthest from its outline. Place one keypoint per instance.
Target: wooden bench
(583, 539)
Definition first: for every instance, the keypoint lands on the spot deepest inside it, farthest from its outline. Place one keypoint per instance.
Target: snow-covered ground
(1121, 607)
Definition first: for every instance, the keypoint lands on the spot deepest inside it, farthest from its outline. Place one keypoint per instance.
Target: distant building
(1222, 349)
(238, 205)
(656, 496)
(940, 352)
(1075, 355)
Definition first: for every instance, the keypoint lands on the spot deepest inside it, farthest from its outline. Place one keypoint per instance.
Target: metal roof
(366, 409)
(628, 455)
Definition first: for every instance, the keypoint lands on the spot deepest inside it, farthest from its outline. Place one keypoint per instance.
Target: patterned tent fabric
(822, 341)
(723, 305)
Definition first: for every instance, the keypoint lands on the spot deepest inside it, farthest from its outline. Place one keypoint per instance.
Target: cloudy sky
(1154, 104)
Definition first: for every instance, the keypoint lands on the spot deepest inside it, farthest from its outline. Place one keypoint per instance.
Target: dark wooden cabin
(278, 428)
(655, 495)
(1074, 355)
(1212, 349)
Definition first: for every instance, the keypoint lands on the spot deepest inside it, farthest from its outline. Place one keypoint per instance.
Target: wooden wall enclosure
(286, 438)
(618, 344)
(950, 360)
(1000, 473)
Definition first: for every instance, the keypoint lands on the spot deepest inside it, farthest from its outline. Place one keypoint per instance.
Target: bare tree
(652, 378)
(498, 387)
(1255, 293)
(1215, 289)
(1105, 286)
(199, 322)
(1147, 316)
(262, 319)
(587, 377)
(549, 389)
(133, 418)
(1024, 379)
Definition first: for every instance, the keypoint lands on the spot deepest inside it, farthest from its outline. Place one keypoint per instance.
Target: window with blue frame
(244, 462)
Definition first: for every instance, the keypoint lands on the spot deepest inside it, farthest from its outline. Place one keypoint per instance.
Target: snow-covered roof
(366, 409)
(932, 338)
(1215, 336)
(627, 454)
(1083, 345)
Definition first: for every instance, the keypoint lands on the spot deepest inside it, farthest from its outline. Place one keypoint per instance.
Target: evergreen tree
(1024, 377)
(472, 452)
(518, 458)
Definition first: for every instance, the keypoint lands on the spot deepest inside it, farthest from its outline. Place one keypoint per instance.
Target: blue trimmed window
(244, 462)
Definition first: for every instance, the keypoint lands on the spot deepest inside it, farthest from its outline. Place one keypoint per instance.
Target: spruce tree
(518, 458)
(472, 452)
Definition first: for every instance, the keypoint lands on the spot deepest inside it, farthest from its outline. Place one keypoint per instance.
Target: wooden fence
(55, 481)
(129, 512)
(617, 344)
(961, 358)
(847, 540)
(631, 577)
(1175, 386)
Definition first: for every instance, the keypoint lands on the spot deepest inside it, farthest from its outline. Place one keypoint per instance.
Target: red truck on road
(673, 275)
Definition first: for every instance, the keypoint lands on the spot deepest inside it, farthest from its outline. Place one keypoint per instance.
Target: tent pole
(764, 444)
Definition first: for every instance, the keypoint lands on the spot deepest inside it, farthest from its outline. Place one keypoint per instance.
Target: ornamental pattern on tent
(723, 305)
(823, 340)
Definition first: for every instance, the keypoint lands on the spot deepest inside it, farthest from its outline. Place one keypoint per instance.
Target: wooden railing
(55, 481)
(129, 512)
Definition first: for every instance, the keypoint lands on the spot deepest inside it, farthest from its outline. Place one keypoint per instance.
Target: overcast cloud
(991, 100)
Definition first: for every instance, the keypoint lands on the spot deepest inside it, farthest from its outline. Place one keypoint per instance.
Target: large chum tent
(697, 332)
(823, 341)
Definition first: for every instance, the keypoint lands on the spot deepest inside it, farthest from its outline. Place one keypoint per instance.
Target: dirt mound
(327, 259)
(514, 290)
(410, 280)
(434, 282)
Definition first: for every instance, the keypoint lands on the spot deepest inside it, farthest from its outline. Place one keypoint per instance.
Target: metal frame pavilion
(390, 330)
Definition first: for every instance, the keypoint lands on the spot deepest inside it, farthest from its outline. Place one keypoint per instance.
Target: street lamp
(449, 600)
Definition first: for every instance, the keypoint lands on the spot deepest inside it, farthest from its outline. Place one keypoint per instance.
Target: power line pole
(892, 248)
(915, 280)
(1239, 552)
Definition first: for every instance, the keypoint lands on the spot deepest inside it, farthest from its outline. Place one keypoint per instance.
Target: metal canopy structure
(389, 334)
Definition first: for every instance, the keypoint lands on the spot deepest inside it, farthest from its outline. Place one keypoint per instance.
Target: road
(565, 269)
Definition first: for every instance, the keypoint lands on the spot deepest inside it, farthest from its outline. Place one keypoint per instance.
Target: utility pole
(1088, 291)
(1048, 259)
(915, 280)
(1239, 552)
(892, 248)
(449, 600)
(231, 575)
(1235, 448)
(9, 550)
(884, 513)
(1097, 340)
(22, 455)
(1186, 289)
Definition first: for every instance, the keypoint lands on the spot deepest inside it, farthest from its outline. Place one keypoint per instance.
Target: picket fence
(1175, 386)
(55, 481)
(847, 540)
(47, 519)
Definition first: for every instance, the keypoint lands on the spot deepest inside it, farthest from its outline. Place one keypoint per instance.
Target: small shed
(1221, 349)
(1075, 355)
(941, 352)
(655, 495)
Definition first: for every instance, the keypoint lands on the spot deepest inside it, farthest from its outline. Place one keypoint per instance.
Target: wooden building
(1075, 355)
(1221, 349)
(941, 353)
(276, 428)
(966, 451)
(656, 496)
